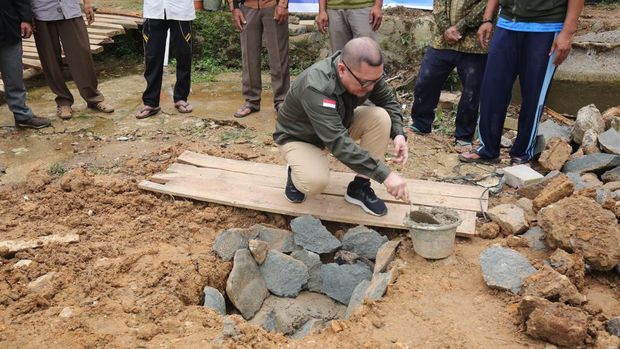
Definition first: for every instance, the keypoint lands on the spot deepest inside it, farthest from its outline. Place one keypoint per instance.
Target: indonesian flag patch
(329, 103)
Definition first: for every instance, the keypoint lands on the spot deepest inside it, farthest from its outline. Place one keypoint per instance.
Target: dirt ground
(134, 280)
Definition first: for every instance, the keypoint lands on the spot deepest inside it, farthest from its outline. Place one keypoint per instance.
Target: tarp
(312, 6)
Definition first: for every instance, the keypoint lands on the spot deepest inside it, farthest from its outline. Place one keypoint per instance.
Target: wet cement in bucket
(432, 231)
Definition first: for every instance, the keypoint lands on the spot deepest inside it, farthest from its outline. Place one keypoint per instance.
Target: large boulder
(283, 274)
(214, 300)
(311, 234)
(579, 224)
(510, 218)
(385, 255)
(245, 286)
(598, 163)
(548, 283)
(612, 175)
(589, 143)
(278, 239)
(550, 129)
(504, 268)
(313, 264)
(230, 240)
(557, 189)
(556, 323)
(610, 141)
(569, 264)
(555, 155)
(339, 281)
(588, 118)
(363, 241)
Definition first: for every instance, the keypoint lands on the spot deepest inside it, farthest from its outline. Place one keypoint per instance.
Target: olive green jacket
(319, 110)
(471, 12)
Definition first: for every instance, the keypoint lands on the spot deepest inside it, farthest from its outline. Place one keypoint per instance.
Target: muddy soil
(134, 279)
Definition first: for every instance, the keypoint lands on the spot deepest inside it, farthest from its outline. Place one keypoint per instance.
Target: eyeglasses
(363, 83)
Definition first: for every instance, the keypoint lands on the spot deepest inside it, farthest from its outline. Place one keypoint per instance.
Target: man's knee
(311, 183)
(381, 119)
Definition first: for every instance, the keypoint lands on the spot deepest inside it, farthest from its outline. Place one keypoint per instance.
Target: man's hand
(484, 34)
(281, 14)
(401, 151)
(238, 19)
(26, 29)
(562, 46)
(322, 21)
(397, 187)
(452, 35)
(375, 17)
(90, 14)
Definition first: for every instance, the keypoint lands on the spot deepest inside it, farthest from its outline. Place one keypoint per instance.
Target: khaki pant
(348, 24)
(309, 164)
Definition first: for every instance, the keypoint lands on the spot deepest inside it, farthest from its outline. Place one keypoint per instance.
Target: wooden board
(260, 187)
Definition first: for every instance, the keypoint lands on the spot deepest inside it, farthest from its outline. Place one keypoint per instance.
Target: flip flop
(246, 110)
(183, 107)
(476, 159)
(146, 111)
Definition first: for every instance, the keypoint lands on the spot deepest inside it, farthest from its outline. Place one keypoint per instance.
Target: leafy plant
(57, 169)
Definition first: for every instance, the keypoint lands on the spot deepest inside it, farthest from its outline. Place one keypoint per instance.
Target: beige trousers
(309, 164)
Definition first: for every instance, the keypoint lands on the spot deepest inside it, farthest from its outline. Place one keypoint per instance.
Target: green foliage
(236, 135)
(444, 121)
(216, 42)
(302, 54)
(57, 169)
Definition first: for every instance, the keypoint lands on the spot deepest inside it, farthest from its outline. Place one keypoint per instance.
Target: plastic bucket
(433, 231)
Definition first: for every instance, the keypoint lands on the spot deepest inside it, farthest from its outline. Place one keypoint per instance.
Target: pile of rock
(280, 282)
(570, 217)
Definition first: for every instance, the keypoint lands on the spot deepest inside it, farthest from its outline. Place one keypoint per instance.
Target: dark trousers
(154, 34)
(70, 36)
(435, 69)
(513, 54)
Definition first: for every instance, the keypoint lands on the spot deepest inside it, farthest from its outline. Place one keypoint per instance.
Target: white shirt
(178, 10)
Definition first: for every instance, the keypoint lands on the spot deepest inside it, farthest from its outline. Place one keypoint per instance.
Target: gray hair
(363, 49)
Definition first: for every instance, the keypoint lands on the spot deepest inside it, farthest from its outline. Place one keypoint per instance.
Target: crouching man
(321, 111)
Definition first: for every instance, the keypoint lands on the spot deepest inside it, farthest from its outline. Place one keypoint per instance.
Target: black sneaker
(360, 193)
(290, 192)
(34, 122)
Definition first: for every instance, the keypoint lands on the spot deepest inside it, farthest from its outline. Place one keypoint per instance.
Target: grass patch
(57, 169)
(236, 135)
(445, 121)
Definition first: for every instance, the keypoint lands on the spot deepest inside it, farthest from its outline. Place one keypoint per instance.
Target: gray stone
(550, 129)
(603, 195)
(278, 239)
(357, 297)
(311, 234)
(577, 181)
(598, 163)
(245, 286)
(588, 118)
(504, 268)
(378, 285)
(505, 142)
(589, 143)
(310, 326)
(612, 175)
(613, 326)
(363, 241)
(259, 249)
(612, 186)
(385, 255)
(339, 281)
(230, 328)
(214, 300)
(510, 218)
(313, 264)
(610, 141)
(230, 240)
(287, 315)
(283, 274)
(536, 238)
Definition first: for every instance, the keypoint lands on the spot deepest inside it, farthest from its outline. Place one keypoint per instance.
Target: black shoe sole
(293, 201)
(353, 201)
(32, 126)
(517, 161)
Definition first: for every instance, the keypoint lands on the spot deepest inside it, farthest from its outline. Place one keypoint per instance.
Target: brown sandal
(183, 107)
(146, 111)
(245, 110)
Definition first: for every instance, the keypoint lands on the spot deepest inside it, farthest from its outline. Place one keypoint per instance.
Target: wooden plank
(256, 197)
(415, 186)
(31, 63)
(106, 32)
(99, 39)
(105, 25)
(337, 186)
(34, 56)
(123, 21)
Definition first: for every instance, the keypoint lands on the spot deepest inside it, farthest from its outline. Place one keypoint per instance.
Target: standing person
(59, 26)
(161, 16)
(15, 23)
(258, 20)
(322, 110)
(455, 44)
(532, 38)
(348, 19)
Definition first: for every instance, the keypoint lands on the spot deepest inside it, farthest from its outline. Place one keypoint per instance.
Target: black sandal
(245, 110)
